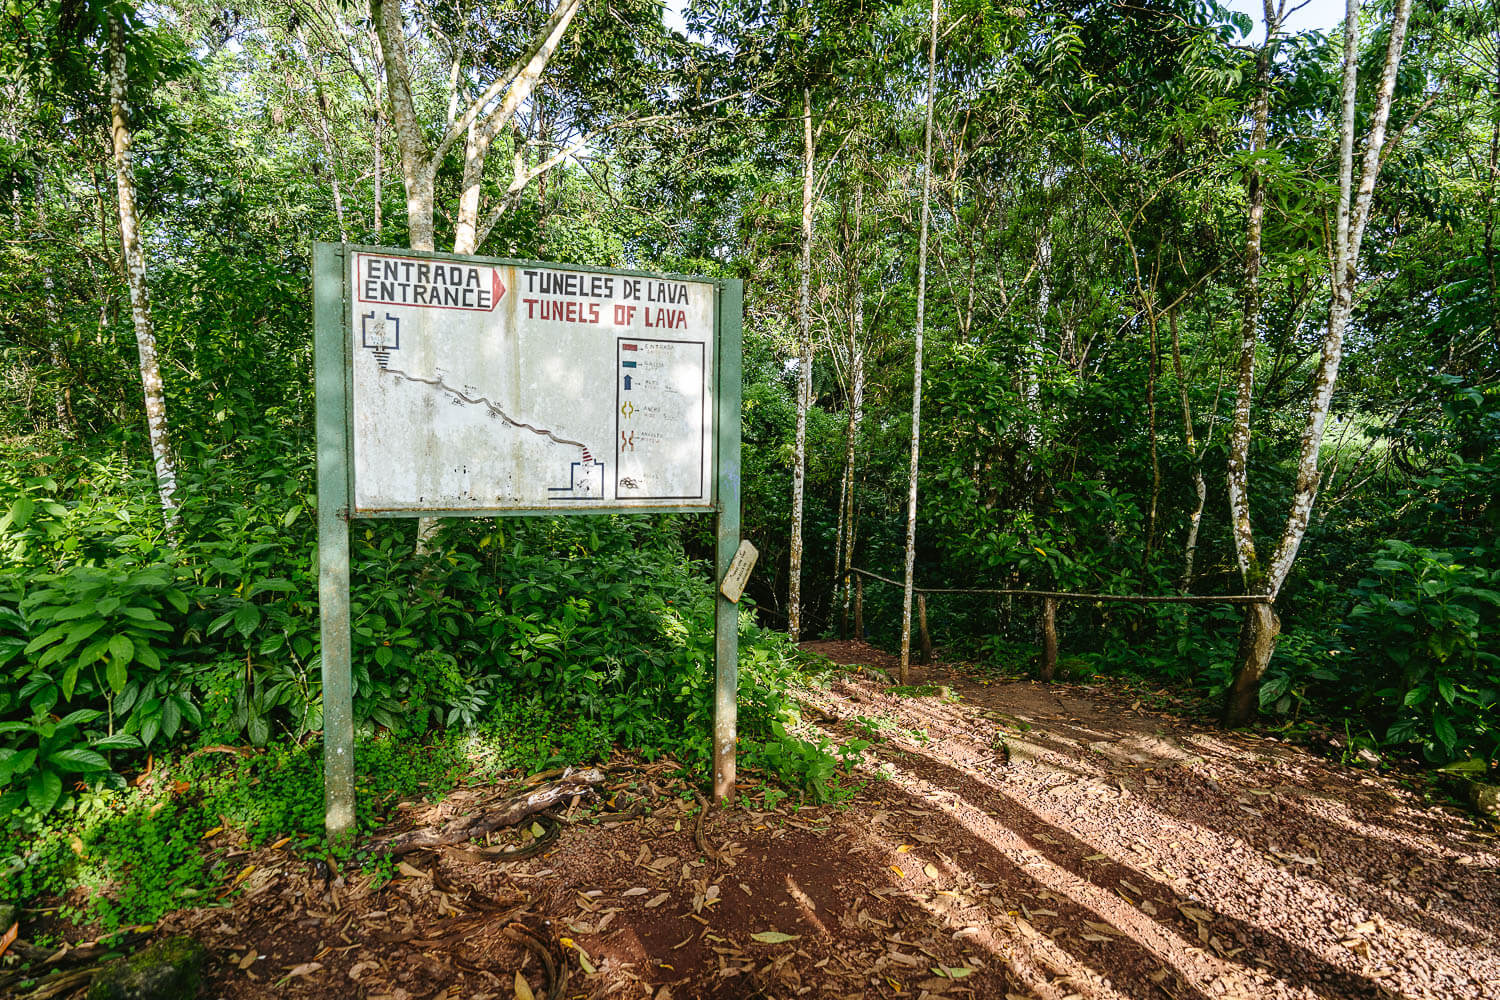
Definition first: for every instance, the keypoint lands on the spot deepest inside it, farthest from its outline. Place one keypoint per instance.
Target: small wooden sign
(739, 571)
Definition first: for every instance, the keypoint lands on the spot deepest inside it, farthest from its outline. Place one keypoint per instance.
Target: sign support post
(332, 372)
(460, 386)
(726, 612)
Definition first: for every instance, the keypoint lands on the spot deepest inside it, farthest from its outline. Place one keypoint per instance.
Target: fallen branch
(698, 837)
(506, 812)
(557, 971)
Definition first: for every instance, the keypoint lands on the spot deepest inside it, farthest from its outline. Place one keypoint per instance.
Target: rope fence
(1049, 599)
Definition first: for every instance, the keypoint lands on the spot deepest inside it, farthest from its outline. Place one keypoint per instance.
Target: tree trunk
(856, 403)
(1239, 435)
(859, 607)
(1259, 638)
(916, 379)
(1352, 220)
(135, 275)
(61, 391)
(804, 374)
(1049, 639)
(922, 634)
(1257, 642)
(1200, 487)
(1032, 365)
(1151, 377)
(379, 145)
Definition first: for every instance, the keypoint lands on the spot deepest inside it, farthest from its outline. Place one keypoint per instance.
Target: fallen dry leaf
(774, 937)
(523, 988)
(305, 969)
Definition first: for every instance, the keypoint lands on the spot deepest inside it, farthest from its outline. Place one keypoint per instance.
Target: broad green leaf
(78, 759)
(121, 648)
(115, 676)
(43, 790)
(20, 511)
(246, 619)
(171, 717)
(1443, 727)
(79, 717)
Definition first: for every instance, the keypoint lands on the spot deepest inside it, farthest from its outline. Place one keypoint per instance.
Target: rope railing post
(859, 607)
(922, 627)
(1049, 598)
(1049, 639)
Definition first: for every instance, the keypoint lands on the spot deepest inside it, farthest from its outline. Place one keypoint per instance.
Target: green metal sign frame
(332, 347)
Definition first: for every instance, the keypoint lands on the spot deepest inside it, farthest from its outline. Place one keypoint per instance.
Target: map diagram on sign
(479, 387)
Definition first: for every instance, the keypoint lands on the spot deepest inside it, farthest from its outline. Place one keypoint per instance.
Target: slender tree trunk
(1151, 377)
(856, 404)
(1032, 365)
(1239, 435)
(379, 145)
(856, 413)
(62, 398)
(1256, 643)
(916, 380)
(135, 274)
(804, 374)
(1200, 487)
(1258, 639)
(466, 232)
(1494, 182)
(1352, 221)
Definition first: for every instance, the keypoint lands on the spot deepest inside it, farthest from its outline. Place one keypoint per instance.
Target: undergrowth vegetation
(129, 652)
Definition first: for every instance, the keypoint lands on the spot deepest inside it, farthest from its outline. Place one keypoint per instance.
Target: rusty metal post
(859, 607)
(1049, 638)
(331, 372)
(926, 639)
(726, 613)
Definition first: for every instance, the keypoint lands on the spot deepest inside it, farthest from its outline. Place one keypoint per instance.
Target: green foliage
(141, 850)
(1427, 628)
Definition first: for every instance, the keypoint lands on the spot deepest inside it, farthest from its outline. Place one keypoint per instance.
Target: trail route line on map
(487, 403)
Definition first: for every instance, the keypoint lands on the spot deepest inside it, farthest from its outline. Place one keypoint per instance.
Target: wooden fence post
(859, 607)
(844, 608)
(1049, 638)
(922, 628)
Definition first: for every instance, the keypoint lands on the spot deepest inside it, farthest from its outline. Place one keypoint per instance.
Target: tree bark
(922, 634)
(1239, 434)
(916, 380)
(1352, 221)
(135, 276)
(1151, 377)
(1258, 640)
(1200, 487)
(856, 404)
(1258, 636)
(1049, 639)
(1031, 367)
(804, 375)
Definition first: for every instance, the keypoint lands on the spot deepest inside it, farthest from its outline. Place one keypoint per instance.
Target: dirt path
(1020, 841)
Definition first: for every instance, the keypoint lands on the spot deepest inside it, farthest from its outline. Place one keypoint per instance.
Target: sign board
(482, 387)
(733, 587)
(468, 386)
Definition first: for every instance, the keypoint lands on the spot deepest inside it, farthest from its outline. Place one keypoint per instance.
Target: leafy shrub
(1426, 626)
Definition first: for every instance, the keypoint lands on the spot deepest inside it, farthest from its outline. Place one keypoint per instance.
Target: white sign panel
(479, 386)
